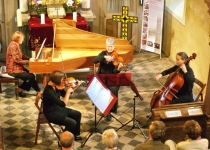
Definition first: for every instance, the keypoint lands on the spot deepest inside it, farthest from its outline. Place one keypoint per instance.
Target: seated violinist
(184, 94)
(55, 109)
(106, 59)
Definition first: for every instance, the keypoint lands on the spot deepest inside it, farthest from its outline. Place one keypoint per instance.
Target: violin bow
(130, 40)
(169, 90)
(63, 66)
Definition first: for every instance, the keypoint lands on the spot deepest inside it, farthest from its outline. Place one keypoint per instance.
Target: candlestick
(23, 5)
(19, 18)
(86, 4)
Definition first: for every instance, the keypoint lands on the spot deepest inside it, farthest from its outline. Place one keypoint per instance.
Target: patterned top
(15, 59)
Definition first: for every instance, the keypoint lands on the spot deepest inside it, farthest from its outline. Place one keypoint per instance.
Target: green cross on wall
(125, 19)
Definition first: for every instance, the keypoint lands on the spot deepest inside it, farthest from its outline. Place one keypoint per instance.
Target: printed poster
(152, 23)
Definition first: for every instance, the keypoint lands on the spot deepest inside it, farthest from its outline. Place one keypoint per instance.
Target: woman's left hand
(120, 66)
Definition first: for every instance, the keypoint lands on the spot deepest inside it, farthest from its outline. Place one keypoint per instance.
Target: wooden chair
(202, 86)
(95, 67)
(10, 80)
(42, 119)
(5, 78)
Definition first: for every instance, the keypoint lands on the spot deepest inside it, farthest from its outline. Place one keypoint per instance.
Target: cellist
(185, 94)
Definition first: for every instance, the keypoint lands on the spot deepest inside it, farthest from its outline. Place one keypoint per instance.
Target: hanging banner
(152, 23)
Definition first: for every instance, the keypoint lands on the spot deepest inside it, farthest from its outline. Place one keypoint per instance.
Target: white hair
(110, 41)
(110, 138)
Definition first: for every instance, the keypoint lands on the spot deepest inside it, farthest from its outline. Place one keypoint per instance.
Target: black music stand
(119, 79)
(102, 98)
(122, 79)
(135, 122)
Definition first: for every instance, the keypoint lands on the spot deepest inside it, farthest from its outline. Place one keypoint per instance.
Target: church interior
(148, 33)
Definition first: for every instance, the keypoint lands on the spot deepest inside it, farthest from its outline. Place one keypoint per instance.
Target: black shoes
(109, 117)
(21, 94)
(77, 138)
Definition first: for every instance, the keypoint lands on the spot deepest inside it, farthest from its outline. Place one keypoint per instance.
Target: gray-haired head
(110, 41)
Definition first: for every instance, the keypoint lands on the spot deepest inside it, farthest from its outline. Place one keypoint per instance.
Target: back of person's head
(110, 138)
(56, 77)
(192, 129)
(157, 130)
(66, 139)
(110, 41)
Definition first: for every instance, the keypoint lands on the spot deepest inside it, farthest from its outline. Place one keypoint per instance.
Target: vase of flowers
(72, 5)
(39, 6)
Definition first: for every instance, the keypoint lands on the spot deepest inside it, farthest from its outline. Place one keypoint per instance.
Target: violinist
(185, 94)
(107, 67)
(55, 109)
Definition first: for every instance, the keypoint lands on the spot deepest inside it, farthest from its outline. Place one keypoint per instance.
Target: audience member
(193, 141)
(66, 140)
(156, 132)
(110, 139)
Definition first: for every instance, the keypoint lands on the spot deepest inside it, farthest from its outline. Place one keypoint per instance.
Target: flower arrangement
(72, 5)
(39, 6)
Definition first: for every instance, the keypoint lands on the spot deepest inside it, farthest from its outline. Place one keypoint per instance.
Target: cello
(173, 84)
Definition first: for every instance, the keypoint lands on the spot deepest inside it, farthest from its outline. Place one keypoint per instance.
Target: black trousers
(114, 90)
(182, 99)
(26, 76)
(71, 121)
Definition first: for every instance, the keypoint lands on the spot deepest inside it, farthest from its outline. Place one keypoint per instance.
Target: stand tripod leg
(146, 120)
(136, 122)
(134, 119)
(95, 129)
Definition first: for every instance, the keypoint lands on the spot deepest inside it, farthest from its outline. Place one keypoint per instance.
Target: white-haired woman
(106, 60)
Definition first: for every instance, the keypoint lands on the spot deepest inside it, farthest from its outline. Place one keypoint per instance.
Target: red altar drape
(38, 32)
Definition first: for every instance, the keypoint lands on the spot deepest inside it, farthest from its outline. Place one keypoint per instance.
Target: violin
(69, 82)
(173, 84)
(117, 60)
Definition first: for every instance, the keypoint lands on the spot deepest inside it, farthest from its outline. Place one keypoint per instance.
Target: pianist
(15, 61)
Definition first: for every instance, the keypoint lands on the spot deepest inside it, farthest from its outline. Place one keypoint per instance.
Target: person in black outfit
(185, 94)
(106, 66)
(55, 109)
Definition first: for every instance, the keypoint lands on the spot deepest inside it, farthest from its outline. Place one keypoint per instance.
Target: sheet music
(195, 111)
(99, 95)
(40, 50)
(173, 113)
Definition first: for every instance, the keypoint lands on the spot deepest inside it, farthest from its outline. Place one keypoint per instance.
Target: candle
(75, 16)
(86, 4)
(42, 18)
(19, 18)
(23, 5)
(33, 54)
